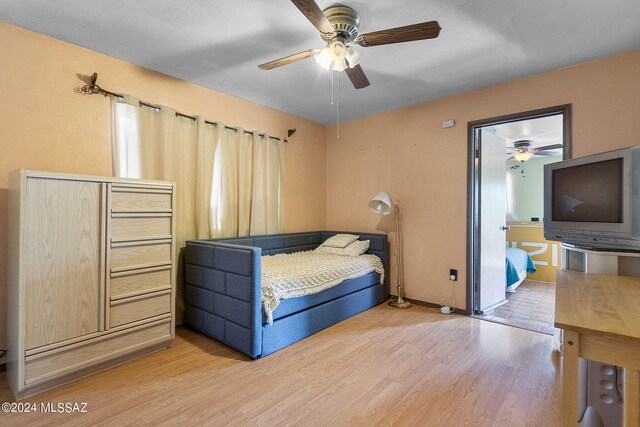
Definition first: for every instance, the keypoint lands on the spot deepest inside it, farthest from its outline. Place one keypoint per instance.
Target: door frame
(473, 180)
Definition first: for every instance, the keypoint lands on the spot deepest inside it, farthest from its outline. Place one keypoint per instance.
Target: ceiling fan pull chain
(332, 88)
(338, 124)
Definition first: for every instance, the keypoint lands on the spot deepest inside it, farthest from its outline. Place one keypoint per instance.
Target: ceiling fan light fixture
(339, 64)
(338, 49)
(338, 52)
(324, 58)
(353, 56)
(335, 56)
(523, 156)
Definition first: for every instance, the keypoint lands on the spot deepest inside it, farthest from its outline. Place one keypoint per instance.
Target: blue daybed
(223, 291)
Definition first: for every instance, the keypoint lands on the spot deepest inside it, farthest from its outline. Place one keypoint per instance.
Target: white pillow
(340, 240)
(354, 249)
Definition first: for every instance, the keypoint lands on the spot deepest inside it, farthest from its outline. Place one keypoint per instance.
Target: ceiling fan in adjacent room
(522, 150)
(338, 27)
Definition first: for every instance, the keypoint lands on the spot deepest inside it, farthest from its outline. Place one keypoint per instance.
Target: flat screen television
(594, 201)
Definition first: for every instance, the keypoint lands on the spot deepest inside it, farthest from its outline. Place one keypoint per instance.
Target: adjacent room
(528, 299)
(303, 212)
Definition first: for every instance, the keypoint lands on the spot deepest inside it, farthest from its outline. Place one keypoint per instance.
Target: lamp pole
(399, 302)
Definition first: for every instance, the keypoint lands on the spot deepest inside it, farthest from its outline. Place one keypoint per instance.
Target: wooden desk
(600, 316)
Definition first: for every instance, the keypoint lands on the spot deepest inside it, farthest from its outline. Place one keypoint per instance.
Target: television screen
(588, 193)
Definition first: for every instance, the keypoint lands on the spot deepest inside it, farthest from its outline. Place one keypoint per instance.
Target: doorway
(511, 268)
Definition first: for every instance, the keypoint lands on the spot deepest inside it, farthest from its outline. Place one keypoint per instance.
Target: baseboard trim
(422, 303)
(432, 305)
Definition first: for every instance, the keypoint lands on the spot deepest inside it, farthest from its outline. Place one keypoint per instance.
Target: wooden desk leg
(631, 416)
(571, 342)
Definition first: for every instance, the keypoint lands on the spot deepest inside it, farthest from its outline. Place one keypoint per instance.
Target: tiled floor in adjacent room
(531, 307)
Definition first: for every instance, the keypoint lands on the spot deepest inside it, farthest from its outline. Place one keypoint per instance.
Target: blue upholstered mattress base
(290, 329)
(223, 291)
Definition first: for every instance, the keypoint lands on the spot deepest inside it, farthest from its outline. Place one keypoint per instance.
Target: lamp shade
(381, 204)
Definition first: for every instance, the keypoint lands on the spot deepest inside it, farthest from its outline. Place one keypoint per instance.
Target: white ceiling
(219, 44)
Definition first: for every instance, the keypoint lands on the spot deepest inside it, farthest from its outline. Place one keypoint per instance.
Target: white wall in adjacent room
(528, 186)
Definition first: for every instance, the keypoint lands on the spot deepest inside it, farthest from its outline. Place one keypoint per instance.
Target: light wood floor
(385, 366)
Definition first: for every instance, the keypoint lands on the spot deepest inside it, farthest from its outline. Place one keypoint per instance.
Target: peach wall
(407, 153)
(45, 125)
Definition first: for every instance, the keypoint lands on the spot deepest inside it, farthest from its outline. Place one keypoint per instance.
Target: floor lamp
(383, 205)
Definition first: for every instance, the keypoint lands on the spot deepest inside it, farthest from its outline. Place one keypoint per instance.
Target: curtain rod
(93, 89)
(214, 124)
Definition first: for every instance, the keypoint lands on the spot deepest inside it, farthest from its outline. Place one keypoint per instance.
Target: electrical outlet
(453, 275)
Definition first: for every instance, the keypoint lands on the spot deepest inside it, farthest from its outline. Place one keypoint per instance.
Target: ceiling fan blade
(408, 33)
(510, 158)
(548, 147)
(358, 77)
(289, 59)
(312, 11)
(546, 153)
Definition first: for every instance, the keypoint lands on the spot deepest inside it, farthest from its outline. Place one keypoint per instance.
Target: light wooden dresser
(91, 275)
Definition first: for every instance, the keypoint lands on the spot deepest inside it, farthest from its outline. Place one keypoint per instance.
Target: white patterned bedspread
(304, 273)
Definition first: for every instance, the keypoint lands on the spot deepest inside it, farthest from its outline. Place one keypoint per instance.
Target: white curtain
(228, 182)
(248, 172)
(207, 144)
(267, 212)
(224, 198)
(245, 185)
(512, 210)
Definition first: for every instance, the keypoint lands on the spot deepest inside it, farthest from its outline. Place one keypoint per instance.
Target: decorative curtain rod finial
(289, 133)
(92, 88)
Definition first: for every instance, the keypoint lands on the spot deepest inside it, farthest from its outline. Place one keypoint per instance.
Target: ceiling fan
(522, 150)
(338, 26)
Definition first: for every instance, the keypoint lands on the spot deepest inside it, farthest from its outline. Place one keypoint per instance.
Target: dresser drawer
(131, 228)
(139, 256)
(138, 308)
(139, 201)
(139, 282)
